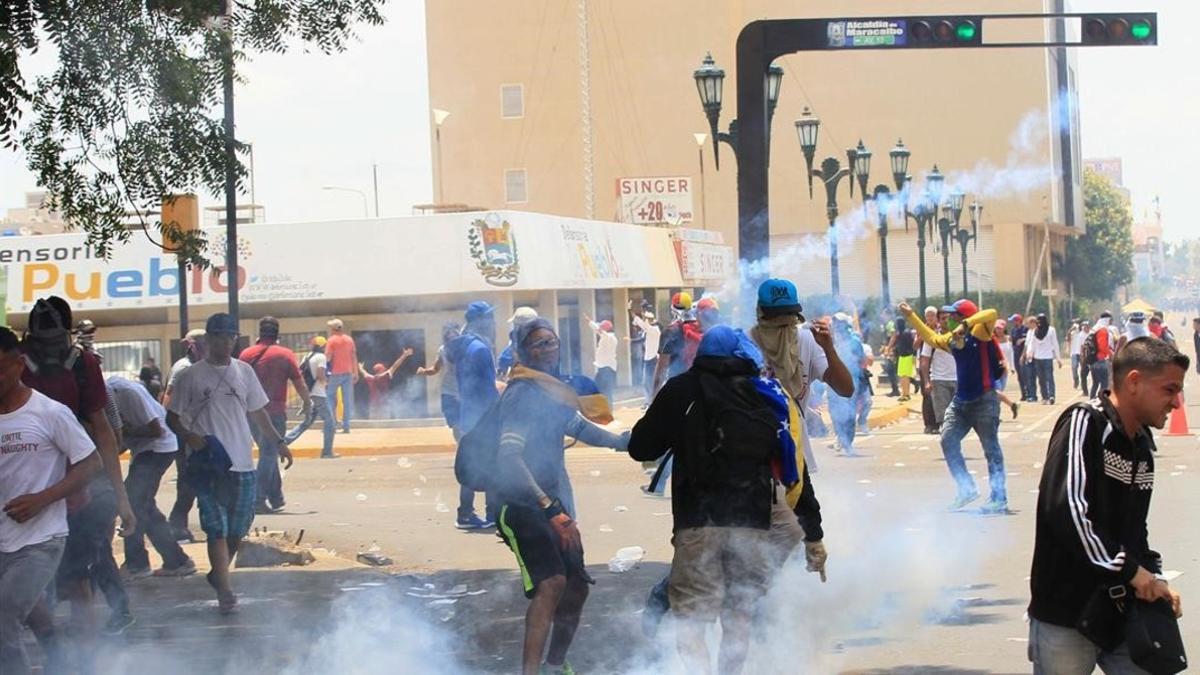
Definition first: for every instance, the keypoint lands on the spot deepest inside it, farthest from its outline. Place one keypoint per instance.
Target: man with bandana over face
(976, 405)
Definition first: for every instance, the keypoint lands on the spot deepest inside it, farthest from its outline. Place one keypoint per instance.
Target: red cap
(707, 304)
(966, 308)
(606, 326)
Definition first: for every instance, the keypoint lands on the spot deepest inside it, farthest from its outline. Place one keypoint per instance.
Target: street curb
(888, 417)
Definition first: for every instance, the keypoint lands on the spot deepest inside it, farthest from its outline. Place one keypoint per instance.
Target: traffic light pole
(761, 42)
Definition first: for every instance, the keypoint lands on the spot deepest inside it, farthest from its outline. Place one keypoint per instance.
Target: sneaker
(135, 573)
(657, 606)
(186, 568)
(994, 507)
(651, 493)
(1015, 407)
(1051, 400)
(118, 623)
(333, 456)
(963, 499)
(184, 536)
(564, 669)
(473, 522)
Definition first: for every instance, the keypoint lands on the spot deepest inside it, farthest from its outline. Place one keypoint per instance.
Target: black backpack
(1090, 348)
(306, 372)
(741, 435)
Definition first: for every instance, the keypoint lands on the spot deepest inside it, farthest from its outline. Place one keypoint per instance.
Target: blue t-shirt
(977, 364)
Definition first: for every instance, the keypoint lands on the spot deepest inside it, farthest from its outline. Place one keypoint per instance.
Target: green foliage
(133, 111)
(1101, 260)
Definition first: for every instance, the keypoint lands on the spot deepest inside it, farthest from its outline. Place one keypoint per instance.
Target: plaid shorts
(227, 511)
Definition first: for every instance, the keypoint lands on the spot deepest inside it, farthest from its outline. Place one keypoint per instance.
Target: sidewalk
(422, 440)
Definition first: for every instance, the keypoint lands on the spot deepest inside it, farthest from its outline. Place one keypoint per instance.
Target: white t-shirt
(177, 368)
(1006, 350)
(1046, 348)
(137, 409)
(449, 375)
(316, 364)
(1077, 339)
(36, 442)
(653, 336)
(941, 364)
(606, 350)
(214, 400)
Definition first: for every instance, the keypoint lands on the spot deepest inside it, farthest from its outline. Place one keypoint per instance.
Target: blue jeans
(1075, 370)
(1100, 375)
(1058, 650)
(982, 415)
(345, 382)
(841, 411)
(319, 407)
(1027, 374)
(864, 403)
(270, 482)
(146, 470)
(1045, 377)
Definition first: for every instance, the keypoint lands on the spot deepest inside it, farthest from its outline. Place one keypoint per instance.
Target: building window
(514, 186)
(126, 358)
(512, 101)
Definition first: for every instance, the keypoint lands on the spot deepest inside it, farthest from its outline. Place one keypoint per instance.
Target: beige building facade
(552, 103)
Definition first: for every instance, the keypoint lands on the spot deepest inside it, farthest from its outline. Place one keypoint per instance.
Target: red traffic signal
(1119, 29)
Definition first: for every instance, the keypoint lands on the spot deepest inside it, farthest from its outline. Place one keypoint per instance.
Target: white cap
(335, 324)
(523, 315)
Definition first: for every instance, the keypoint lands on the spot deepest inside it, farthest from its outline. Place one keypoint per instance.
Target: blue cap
(478, 310)
(778, 296)
(221, 323)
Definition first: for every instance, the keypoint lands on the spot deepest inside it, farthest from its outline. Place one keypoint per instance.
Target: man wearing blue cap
(475, 371)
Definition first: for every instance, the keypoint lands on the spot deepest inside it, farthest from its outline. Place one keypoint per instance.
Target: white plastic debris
(973, 472)
(661, 513)
(361, 497)
(441, 601)
(1014, 473)
(1037, 465)
(373, 459)
(1176, 473)
(422, 478)
(1181, 467)
(606, 528)
(620, 509)
(899, 465)
(626, 559)
(594, 474)
(864, 481)
(403, 463)
(416, 492)
(923, 447)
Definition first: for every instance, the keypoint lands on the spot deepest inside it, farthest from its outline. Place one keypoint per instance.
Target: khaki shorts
(785, 534)
(718, 569)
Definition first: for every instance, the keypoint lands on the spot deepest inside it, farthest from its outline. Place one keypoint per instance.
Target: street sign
(1049, 292)
(655, 200)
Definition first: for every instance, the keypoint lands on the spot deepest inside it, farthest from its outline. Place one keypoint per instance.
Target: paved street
(912, 588)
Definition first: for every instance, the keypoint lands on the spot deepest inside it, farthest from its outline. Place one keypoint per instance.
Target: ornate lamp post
(883, 202)
(947, 227)
(963, 238)
(924, 213)
(710, 82)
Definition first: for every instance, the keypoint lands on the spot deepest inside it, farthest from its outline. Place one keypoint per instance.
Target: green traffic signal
(1140, 30)
(965, 31)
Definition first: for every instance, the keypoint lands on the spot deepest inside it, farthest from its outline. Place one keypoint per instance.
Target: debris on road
(403, 463)
(626, 559)
(376, 559)
(361, 497)
(620, 509)
(606, 528)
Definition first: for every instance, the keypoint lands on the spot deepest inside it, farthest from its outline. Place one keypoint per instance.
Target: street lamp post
(360, 193)
(883, 201)
(700, 138)
(924, 213)
(963, 238)
(439, 117)
(710, 83)
(947, 228)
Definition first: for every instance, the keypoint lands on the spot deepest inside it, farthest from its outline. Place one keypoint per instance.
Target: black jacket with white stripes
(1091, 527)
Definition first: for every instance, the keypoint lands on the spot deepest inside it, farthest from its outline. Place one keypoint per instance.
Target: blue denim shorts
(227, 511)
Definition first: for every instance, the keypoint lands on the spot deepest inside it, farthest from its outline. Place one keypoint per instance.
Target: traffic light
(955, 31)
(1119, 29)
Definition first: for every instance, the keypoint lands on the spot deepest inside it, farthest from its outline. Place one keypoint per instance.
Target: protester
(341, 355)
(927, 415)
(902, 345)
(650, 328)
(1099, 350)
(843, 409)
(889, 355)
(1042, 350)
(475, 370)
(70, 374)
(1158, 328)
(379, 384)
(677, 347)
(143, 430)
(151, 378)
(449, 380)
(1020, 335)
(864, 392)
(1006, 351)
(1075, 336)
(1135, 327)
(975, 404)
(508, 357)
(939, 375)
(708, 313)
(1091, 540)
(45, 457)
(606, 356)
(1196, 341)
(1085, 371)
(313, 370)
(211, 408)
(275, 366)
(719, 419)
(193, 351)
(535, 414)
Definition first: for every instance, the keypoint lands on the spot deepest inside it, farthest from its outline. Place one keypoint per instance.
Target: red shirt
(339, 351)
(275, 366)
(62, 386)
(377, 387)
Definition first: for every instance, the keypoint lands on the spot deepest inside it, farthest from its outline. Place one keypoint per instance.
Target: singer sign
(655, 200)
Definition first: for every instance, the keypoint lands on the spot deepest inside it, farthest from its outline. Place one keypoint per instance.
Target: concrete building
(32, 218)
(552, 104)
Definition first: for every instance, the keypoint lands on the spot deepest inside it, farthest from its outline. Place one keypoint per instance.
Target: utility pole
(375, 179)
(231, 251)
(585, 110)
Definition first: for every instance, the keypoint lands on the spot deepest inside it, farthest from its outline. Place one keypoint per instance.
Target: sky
(317, 120)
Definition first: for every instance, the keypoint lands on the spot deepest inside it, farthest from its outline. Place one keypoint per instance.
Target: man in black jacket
(724, 435)
(1092, 507)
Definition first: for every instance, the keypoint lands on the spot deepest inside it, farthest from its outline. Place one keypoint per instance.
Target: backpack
(741, 436)
(1089, 350)
(306, 372)
(475, 461)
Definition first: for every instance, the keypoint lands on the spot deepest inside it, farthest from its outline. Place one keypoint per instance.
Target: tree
(1101, 260)
(133, 111)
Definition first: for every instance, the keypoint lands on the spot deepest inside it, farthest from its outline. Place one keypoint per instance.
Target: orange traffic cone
(1179, 424)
